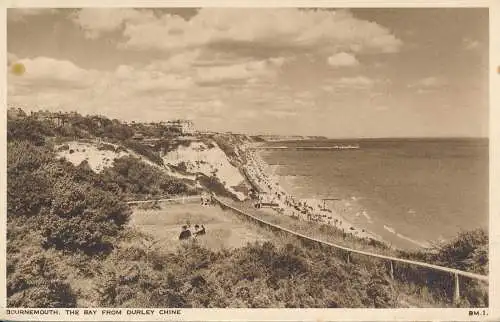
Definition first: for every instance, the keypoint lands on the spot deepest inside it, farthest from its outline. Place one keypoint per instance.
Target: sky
(333, 72)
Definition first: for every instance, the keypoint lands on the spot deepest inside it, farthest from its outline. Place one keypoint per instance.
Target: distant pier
(334, 147)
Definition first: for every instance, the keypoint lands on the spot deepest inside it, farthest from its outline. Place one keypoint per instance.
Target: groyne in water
(335, 147)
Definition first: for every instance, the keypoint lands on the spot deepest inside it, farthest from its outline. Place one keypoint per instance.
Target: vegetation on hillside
(144, 150)
(133, 177)
(56, 207)
(258, 275)
(468, 251)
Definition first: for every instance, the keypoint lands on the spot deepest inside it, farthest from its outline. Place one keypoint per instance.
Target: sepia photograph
(227, 157)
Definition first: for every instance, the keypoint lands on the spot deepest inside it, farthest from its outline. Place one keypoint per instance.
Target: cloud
(56, 83)
(428, 83)
(251, 71)
(470, 44)
(11, 58)
(280, 113)
(148, 80)
(342, 59)
(97, 21)
(344, 84)
(44, 71)
(355, 82)
(177, 62)
(274, 29)
(167, 92)
(19, 14)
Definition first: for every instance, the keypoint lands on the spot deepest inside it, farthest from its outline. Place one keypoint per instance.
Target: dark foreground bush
(258, 275)
(34, 282)
(468, 251)
(82, 218)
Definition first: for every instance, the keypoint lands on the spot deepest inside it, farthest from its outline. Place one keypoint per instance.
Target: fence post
(391, 269)
(348, 258)
(456, 293)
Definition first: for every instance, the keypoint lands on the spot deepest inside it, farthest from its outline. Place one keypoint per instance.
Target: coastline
(349, 208)
(263, 180)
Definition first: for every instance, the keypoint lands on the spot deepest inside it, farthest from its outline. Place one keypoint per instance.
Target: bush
(468, 251)
(35, 283)
(380, 290)
(134, 176)
(28, 129)
(63, 147)
(27, 187)
(71, 212)
(82, 218)
(144, 150)
(213, 184)
(106, 147)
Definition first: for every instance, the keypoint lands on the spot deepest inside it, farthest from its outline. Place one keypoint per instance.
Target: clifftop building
(185, 127)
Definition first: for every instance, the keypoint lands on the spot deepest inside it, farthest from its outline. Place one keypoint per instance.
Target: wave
(413, 241)
(416, 242)
(390, 229)
(365, 214)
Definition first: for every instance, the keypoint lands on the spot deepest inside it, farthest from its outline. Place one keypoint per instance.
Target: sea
(412, 193)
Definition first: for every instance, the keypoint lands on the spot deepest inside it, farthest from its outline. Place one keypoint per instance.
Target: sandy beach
(269, 191)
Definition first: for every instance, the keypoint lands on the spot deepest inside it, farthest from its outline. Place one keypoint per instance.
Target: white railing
(390, 259)
(177, 199)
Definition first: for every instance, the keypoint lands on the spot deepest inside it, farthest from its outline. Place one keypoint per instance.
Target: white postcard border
(490, 314)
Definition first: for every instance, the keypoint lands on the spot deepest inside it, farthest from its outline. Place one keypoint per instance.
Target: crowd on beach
(270, 194)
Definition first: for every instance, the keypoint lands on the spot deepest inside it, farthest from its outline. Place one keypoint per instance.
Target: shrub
(380, 290)
(467, 251)
(28, 129)
(106, 147)
(82, 218)
(63, 147)
(144, 150)
(27, 188)
(134, 176)
(35, 283)
(213, 184)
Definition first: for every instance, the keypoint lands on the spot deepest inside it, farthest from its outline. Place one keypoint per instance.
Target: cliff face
(208, 159)
(213, 162)
(98, 155)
